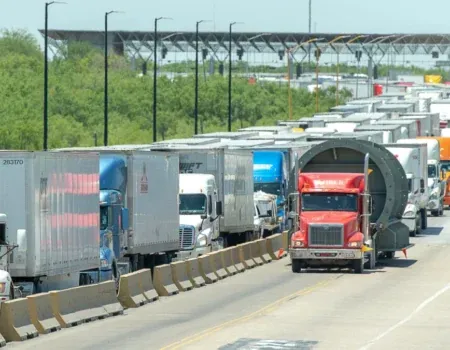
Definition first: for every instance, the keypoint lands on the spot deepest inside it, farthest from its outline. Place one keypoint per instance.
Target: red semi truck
(351, 197)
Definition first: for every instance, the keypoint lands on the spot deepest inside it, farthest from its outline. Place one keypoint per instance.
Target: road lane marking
(270, 307)
(408, 318)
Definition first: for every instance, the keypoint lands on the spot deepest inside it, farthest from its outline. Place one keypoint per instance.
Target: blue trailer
(270, 176)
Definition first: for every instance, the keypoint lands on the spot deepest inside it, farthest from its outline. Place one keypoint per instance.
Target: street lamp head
(168, 18)
(110, 12)
(204, 21)
(55, 2)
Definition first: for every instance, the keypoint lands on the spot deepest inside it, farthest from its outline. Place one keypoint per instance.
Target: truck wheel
(296, 265)
(358, 265)
(435, 212)
(441, 209)
(424, 217)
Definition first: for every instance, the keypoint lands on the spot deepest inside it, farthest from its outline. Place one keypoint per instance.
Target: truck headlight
(104, 263)
(202, 241)
(409, 214)
(280, 219)
(355, 244)
(297, 244)
(2, 287)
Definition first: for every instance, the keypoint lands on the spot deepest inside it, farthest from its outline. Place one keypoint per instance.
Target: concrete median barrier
(285, 246)
(163, 281)
(15, 322)
(2, 341)
(227, 261)
(207, 270)
(108, 298)
(262, 250)
(180, 276)
(255, 254)
(274, 245)
(148, 290)
(217, 264)
(245, 255)
(194, 274)
(237, 259)
(74, 306)
(41, 313)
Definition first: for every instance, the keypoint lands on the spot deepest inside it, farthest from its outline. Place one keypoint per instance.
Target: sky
(380, 16)
(345, 16)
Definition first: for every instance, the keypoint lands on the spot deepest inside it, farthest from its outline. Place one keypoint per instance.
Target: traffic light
(281, 54)
(298, 69)
(240, 53)
(164, 52)
(435, 54)
(375, 72)
(144, 68)
(317, 53)
(204, 53)
(221, 69)
(358, 55)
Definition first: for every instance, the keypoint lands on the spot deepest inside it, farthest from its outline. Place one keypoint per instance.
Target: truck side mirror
(203, 216)
(124, 219)
(422, 185)
(269, 213)
(219, 209)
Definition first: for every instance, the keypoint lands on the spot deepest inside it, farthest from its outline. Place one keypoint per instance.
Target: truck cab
(199, 212)
(266, 209)
(7, 288)
(113, 219)
(330, 221)
(270, 176)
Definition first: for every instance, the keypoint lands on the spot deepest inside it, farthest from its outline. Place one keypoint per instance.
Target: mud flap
(394, 238)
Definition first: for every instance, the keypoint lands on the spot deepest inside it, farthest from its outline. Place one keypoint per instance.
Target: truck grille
(326, 235)
(186, 237)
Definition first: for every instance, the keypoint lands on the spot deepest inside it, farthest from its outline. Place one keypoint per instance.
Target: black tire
(296, 266)
(358, 265)
(441, 210)
(435, 212)
(424, 216)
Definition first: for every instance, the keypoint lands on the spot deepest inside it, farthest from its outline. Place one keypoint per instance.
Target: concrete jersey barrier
(163, 281)
(41, 313)
(262, 250)
(15, 322)
(207, 270)
(180, 276)
(217, 264)
(274, 245)
(237, 259)
(74, 306)
(194, 274)
(108, 298)
(2, 341)
(227, 261)
(148, 290)
(245, 255)
(255, 254)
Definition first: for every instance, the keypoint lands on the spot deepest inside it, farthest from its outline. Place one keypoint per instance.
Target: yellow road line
(270, 307)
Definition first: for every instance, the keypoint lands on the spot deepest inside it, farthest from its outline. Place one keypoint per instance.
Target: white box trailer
(430, 93)
(267, 130)
(442, 107)
(409, 127)
(373, 116)
(342, 127)
(51, 203)
(391, 133)
(429, 123)
(396, 108)
(348, 109)
(370, 105)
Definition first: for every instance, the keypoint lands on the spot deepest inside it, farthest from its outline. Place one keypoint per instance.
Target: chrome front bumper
(188, 254)
(325, 254)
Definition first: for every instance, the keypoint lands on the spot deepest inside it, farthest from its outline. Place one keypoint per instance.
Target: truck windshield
(271, 188)
(329, 202)
(409, 185)
(264, 207)
(432, 171)
(103, 218)
(192, 204)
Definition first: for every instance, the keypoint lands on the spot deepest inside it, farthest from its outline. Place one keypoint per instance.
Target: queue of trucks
(350, 187)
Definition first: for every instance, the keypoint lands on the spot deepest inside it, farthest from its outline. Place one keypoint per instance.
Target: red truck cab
(330, 221)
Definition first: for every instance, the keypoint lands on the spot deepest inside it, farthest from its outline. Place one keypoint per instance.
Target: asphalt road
(401, 305)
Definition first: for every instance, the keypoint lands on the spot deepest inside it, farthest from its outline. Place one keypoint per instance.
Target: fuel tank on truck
(388, 184)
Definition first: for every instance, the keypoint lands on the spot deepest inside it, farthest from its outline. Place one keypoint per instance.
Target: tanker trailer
(352, 195)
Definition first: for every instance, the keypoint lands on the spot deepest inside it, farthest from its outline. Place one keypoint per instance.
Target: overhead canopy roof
(217, 42)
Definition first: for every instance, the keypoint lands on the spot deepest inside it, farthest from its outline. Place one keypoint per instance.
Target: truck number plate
(325, 255)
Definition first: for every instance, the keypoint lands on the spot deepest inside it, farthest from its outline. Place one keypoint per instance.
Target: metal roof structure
(217, 42)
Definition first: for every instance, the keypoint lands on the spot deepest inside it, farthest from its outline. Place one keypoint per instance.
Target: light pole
(309, 31)
(155, 74)
(337, 64)
(229, 74)
(288, 52)
(105, 102)
(47, 4)
(196, 78)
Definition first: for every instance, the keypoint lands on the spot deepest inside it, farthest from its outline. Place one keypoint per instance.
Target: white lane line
(402, 322)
